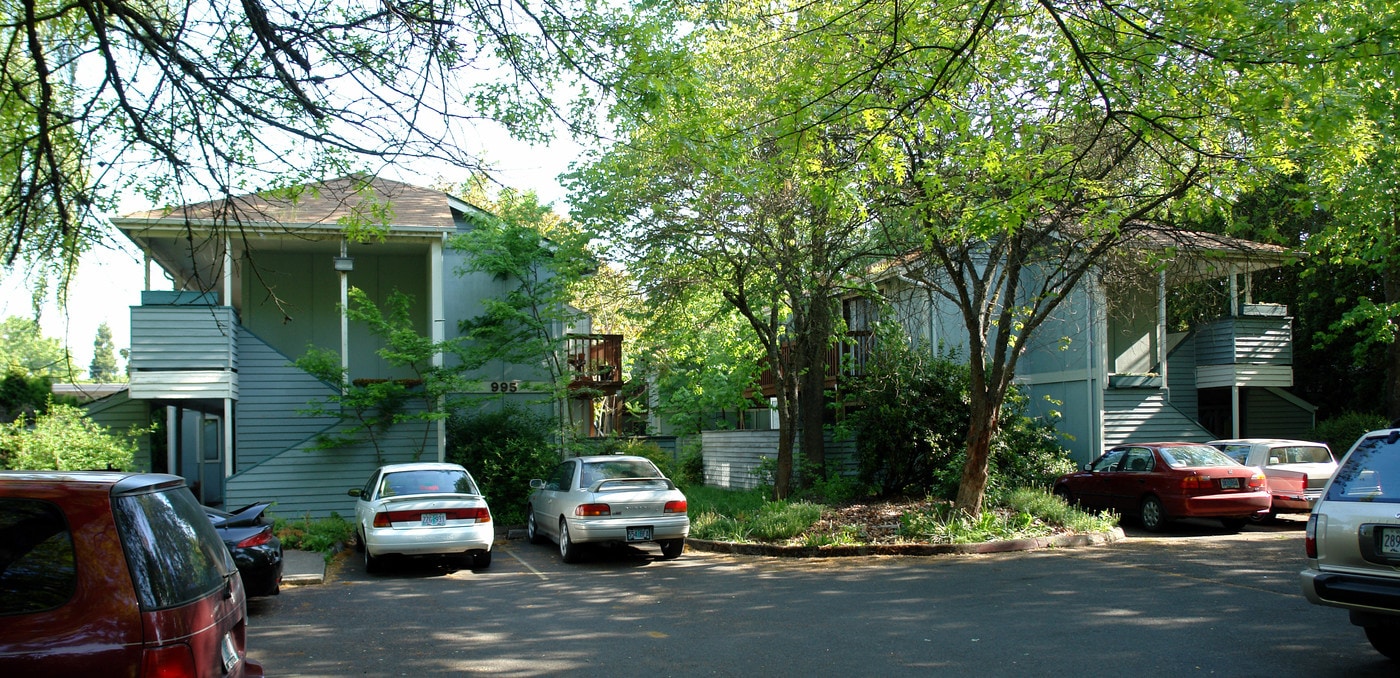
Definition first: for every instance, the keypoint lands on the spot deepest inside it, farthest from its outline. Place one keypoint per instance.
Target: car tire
(532, 530)
(373, 563)
(1153, 515)
(481, 560)
(1263, 518)
(1233, 525)
(568, 550)
(1386, 640)
(672, 548)
(360, 542)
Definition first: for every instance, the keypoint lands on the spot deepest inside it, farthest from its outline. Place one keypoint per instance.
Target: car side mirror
(355, 492)
(536, 484)
(1088, 467)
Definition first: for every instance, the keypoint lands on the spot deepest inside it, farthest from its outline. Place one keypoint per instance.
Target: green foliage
(728, 515)
(781, 520)
(370, 408)
(639, 448)
(690, 470)
(63, 438)
(1022, 514)
(24, 396)
(1342, 431)
(911, 417)
(321, 536)
(503, 450)
(26, 351)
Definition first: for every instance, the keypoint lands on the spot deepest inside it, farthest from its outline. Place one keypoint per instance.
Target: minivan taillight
(171, 661)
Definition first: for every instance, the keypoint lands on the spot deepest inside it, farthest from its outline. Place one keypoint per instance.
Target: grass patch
(748, 516)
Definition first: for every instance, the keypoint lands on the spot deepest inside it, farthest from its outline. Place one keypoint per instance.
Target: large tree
(206, 99)
(24, 350)
(709, 188)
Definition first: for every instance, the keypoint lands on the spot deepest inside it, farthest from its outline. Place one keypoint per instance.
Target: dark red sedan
(1159, 482)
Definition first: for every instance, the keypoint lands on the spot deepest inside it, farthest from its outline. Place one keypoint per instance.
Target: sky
(109, 281)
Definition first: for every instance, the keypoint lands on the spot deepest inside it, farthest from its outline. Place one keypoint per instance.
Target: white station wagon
(600, 499)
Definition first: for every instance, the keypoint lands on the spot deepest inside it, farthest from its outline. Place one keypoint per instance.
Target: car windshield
(619, 468)
(1371, 472)
(1194, 456)
(427, 481)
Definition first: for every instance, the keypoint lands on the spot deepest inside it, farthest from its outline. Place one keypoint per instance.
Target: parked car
(609, 498)
(1159, 482)
(1352, 540)
(255, 549)
(423, 509)
(1297, 470)
(105, 573)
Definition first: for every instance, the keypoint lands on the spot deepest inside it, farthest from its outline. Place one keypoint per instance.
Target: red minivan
(115, 574)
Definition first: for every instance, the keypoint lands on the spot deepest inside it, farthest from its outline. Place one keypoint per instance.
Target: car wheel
(532, 531)
(360, 542)
(1263, 518)
(481, 560)
(568, 550)
(373, 563)
(672, 548)
(1234, 524)
(1386, 640)
(1154, 515)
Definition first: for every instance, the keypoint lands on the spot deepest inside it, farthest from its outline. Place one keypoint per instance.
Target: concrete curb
(1057, 541)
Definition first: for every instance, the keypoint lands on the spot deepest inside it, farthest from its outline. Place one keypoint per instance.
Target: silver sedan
(423, 509)
(600, 499)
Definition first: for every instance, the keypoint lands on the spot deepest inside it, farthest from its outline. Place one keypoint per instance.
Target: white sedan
(422, 509)
(1297, 470)
(599, 499)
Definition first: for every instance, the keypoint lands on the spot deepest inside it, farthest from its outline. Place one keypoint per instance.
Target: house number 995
(505, 386)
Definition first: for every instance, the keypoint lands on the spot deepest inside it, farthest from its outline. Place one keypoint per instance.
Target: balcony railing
(846, 360)
(595, 362)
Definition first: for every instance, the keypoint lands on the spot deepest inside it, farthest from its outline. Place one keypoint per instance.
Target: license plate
(639, 533)
(434, 519)
(1390, 541)
(229, 653)
(1229, 483)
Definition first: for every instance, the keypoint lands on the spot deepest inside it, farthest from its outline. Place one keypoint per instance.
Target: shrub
(911, 416)
(64, 439)
(321, 536)
(1343, 430)
(503, 450)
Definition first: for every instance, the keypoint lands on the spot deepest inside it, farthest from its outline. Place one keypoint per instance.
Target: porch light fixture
(344, 264)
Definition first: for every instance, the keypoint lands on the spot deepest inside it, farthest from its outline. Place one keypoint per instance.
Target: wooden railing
(845, 360)
(595, 361)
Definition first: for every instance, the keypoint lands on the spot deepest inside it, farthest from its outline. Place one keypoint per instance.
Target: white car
(599, 499)
(1297, 470)
(1353, 541)
(423, 509)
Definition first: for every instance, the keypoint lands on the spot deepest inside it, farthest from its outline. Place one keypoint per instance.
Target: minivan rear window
(37, 570)
(1370, 472)
(175, 555)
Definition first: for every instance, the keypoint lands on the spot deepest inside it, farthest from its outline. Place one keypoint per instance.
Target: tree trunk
(811, 400)
(782, 475)
(981, 428)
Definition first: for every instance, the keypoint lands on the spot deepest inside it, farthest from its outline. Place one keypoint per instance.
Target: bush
(911, 418)
(321, 536)
(1342, 431)
(503, 450)
(64, 439)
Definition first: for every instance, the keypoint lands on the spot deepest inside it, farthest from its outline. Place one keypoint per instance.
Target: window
(1371, 472)
(1107, 461)
(37, 569)
(561, 478)
(176, 557)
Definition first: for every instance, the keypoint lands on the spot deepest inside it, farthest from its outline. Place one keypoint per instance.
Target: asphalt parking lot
(1193, 600)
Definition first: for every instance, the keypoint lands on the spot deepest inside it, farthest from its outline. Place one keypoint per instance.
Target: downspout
(344, 320)
(1162, 333)
(1234, 378)
(227, 427)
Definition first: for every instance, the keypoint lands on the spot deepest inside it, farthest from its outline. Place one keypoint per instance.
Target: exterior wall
(1181, 375)
(1272, 413)
(306, 308)
(183, 350)
(268, 417)
(732, 457)
(119, 413)
(1266, 340)
(1143, 415)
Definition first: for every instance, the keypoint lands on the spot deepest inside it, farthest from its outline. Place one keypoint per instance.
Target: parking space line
(520, 560)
